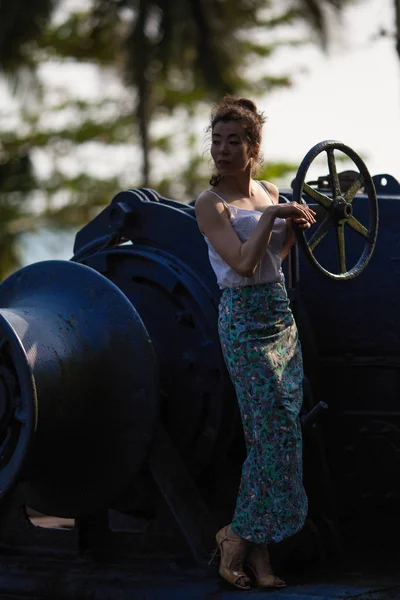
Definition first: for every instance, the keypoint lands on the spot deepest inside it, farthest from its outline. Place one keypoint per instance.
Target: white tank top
(269, 269)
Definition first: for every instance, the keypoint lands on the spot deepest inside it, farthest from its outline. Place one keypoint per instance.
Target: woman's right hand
(294, 210)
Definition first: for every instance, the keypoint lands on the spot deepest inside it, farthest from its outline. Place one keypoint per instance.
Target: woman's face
(230, 149)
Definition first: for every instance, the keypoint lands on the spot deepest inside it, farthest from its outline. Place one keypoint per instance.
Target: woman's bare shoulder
(203, 197)
(273, 190)
(207, 201)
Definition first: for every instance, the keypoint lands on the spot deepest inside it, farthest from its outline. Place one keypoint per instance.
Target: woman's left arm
(291, 235)
(290, 239)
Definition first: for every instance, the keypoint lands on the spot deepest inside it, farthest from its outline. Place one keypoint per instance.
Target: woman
(248, 234)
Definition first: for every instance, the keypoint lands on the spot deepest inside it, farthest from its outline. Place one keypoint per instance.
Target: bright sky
(352, 94)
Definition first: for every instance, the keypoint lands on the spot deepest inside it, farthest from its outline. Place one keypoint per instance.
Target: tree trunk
(397, 25)
(143, 118)
(142, 59)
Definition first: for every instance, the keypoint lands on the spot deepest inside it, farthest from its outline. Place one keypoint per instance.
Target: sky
(351, 94)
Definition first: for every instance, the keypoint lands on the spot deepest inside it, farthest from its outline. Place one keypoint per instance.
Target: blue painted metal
(162, 266)
(343, 340)
(163, 269)
(145, 301)
(356, 326)
(79, 411)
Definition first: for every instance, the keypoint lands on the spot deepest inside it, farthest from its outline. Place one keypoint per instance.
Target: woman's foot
(233, 550)
(259, 563)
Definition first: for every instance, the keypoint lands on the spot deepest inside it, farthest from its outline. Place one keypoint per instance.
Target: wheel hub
(341, 209)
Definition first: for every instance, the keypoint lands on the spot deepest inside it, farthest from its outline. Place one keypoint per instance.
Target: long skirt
(262, 352)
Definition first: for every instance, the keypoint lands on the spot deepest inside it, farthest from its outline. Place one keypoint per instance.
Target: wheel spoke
(353, 189)
(335, 185)
(356, 225)
(340, 246)
(319, 198)
(320, 233)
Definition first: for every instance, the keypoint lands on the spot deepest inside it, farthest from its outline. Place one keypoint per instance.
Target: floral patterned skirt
(263, 356)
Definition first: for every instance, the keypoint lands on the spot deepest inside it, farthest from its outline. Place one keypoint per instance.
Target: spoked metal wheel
(335, 211)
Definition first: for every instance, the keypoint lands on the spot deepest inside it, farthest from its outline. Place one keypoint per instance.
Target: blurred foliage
(56, 199)
(20, 23)
(173, 56)
(182, 52)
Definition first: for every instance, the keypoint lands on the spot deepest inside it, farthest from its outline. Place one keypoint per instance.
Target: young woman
(248, 234)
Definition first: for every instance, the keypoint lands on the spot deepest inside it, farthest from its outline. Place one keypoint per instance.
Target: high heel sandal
(234, 572)
(267, 581)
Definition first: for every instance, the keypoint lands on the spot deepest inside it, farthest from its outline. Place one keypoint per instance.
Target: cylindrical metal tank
(78, 389)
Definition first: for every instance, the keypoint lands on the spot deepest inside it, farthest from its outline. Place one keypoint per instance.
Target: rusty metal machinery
(336, 211)
(164, 272)
(114, 397)
(357, 332)
(147, 403)
(73, 381)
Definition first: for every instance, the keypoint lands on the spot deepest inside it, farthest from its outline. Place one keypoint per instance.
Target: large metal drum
(78, 389)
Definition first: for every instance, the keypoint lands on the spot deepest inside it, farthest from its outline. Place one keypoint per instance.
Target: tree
(192, 50)
(29, 202)
(397, 25)
(20, 23)
(172, 53)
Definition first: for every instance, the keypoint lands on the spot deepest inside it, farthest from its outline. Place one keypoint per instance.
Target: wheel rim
(337, 210)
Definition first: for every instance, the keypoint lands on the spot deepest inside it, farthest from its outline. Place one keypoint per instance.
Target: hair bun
(246, 103)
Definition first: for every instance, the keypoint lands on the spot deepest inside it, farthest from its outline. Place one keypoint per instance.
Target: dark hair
(238, 109)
